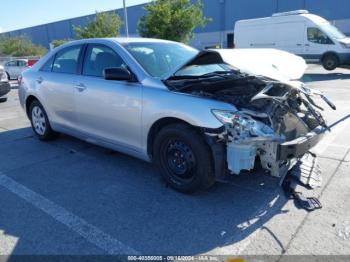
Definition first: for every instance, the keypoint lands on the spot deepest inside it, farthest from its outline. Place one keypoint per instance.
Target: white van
(297, 32)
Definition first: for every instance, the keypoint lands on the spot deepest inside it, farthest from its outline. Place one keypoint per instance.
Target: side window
(315, 35)
(21, 63)
(66, 60)
(47, 67)
(98, 58)
(11, 63)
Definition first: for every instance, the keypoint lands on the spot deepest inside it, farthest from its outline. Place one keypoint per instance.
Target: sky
(26, 13)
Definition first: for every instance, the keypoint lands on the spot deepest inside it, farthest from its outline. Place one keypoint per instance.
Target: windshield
(332, 31)
(158, 59)
(200, 70)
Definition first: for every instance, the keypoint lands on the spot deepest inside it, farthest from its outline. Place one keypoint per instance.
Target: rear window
(11, 63)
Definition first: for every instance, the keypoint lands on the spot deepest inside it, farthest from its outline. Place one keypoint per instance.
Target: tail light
(31, 62)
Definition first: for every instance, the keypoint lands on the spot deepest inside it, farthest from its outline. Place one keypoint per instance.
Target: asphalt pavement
(68, 197)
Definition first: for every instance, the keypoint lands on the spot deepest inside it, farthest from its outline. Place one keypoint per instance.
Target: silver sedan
(196, 116)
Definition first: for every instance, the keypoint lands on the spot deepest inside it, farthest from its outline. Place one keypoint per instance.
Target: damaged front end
(275, 125)
(273, 129)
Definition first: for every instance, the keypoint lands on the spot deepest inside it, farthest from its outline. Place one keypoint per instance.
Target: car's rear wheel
(330, 62)
(40, 122)
(183, 158)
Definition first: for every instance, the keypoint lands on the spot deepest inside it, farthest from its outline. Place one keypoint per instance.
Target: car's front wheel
(183, 158)
(40, 122)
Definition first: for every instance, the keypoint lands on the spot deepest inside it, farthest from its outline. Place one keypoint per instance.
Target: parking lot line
(91, 233)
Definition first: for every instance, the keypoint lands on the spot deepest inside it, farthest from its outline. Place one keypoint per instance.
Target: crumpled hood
(345, 40)
(272, 63)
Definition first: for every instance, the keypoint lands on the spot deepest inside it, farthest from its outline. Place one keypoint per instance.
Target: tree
(106, 24)
(172, 19)
(20, 46)
(59, 42)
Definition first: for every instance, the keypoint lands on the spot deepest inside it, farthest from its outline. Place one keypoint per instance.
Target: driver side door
(108, 111)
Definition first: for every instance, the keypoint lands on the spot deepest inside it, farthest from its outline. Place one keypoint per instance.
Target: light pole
(126, 20)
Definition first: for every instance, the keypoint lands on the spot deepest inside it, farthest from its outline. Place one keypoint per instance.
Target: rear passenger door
(108, 110)
(57, 82)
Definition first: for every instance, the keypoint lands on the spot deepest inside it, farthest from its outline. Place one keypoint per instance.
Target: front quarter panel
(159, 103)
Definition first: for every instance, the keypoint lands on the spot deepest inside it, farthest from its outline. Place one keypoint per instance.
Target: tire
(330, 62)
(40, 122)
(183, 158)
(3, 99)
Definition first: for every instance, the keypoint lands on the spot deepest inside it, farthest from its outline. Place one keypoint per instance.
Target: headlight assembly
(243, 126)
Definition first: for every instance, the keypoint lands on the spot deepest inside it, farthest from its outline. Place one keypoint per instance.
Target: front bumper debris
(299, 146)
(306, 173)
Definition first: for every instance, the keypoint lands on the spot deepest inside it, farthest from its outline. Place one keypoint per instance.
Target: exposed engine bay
(275, 125)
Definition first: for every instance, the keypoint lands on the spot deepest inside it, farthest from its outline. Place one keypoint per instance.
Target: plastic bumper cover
(299, 146)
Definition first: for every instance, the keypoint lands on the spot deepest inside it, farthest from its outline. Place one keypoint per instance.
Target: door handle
(299, 44)
(307, 45)
(80, 87)
(39, 80)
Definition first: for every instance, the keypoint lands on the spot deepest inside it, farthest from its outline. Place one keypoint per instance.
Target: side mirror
(117, 73)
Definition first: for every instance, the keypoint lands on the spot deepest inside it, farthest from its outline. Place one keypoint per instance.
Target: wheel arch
(329, 53)
(217, 150)
(157, 126)
(28, 102)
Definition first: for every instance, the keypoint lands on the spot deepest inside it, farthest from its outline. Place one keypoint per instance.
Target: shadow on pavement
(310, 77)
(125, 198)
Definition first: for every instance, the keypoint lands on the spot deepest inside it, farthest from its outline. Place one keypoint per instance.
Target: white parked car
(297, 32)
(4, 84)
(14, 68)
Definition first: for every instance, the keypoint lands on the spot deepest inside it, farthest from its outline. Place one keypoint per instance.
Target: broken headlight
(242, 126)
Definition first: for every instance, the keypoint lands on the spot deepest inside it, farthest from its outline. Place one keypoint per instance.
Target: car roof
(125, 40)
(15, 60)
(119, 40)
